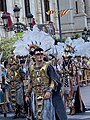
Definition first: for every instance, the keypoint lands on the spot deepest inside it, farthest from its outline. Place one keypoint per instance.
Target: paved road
(85, 92)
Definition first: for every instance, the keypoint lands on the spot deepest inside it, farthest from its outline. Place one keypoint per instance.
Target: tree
(6, 46)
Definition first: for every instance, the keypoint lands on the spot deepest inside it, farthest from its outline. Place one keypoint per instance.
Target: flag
(9, 20)
(63, 12)
(50, 12)
(33, 22)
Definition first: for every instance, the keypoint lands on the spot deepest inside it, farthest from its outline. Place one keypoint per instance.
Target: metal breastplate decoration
(66, 81)
(40, 83)
(14, 77)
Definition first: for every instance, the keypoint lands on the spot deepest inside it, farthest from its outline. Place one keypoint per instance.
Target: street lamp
(30, 20)
(85, 34)
(16, 12)
(59, 20)
(5, 20)
(18, 26)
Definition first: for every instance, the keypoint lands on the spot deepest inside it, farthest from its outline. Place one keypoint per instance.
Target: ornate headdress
(32, 48)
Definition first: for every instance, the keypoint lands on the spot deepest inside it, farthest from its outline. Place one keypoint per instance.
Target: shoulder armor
(31, 68)
(46, 64)
(44, 68)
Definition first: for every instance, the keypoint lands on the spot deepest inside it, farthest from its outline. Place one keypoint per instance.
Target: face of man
(39, 57)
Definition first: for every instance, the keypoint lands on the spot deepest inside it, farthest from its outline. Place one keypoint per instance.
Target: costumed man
(70, 83)
(43, 90)
(68, 79)
(78, 104)
(51, 28)
(16, 76)
(67, 73)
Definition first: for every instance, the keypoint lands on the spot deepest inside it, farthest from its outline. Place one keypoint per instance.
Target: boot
(17, 114)
(70, 111)
(28, 118)
(5, 114)
(15, 117)
(73, 111)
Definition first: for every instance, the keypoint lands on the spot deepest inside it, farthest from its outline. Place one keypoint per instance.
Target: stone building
(73, 22)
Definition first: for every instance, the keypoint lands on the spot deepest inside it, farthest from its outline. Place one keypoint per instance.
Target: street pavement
(85, 93)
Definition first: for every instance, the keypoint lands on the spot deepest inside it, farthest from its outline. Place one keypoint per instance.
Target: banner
(9, 20)
(62, 12)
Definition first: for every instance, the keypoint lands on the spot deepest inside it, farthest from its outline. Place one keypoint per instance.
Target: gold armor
(40, 84)
(14, 77)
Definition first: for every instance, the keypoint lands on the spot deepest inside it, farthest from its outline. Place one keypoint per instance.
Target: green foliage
(58, 40)
(63, 40)
(76, 36)
(19, 34)
(6, 45)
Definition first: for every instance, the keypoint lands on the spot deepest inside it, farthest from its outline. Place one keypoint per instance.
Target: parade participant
(51, 28)
(72, 97)
(66, 79)
(7, 86)
(15, 74)
(78, 103)
(3, 101)
(43, 90)
(79, 68)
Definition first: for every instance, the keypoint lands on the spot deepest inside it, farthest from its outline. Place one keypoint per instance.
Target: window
(27, 7)
(3, 5)
(46, 6)
(76, 4)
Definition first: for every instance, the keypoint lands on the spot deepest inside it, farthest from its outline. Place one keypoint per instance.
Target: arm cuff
(50, 90)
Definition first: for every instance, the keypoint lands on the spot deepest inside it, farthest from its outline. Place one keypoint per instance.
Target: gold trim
(3, 103)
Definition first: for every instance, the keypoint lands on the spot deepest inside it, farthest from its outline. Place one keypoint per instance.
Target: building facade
(73, 22)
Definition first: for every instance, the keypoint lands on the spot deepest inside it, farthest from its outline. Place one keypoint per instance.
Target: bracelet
(50, 90)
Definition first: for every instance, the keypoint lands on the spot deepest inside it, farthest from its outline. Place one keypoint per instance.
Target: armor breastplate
(39, 77)
(40, 83)
(67, 81)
